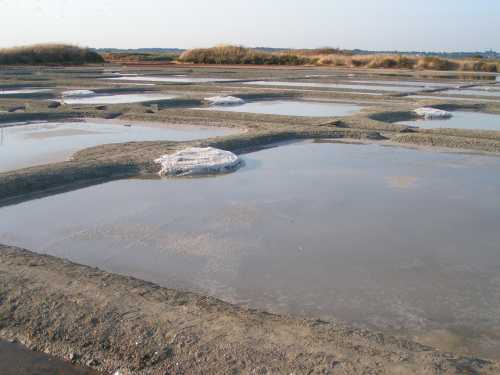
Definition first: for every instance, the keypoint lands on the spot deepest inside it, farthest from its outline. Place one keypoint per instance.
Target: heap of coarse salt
(198, 161)
(77, 93)
(224, 100)
(430, 113)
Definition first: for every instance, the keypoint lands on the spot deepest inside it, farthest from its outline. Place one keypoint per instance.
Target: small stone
(92, 362)
(17, 108)
(375, 136)
(54, 105)
(407, 130)
(112, 115)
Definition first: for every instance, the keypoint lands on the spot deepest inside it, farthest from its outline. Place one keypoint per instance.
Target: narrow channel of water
(171, 79)
(360, 87)
(118, 98)
(24, 91)
(394, 239)
(473, 92)
(291, 108)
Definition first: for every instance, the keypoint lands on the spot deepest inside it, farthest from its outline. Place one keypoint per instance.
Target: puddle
(16, 359)
(391, 88)
(460, 120)
(35, 144)
(291, 108)
(117, 99)
(383, 237)
(172, 79)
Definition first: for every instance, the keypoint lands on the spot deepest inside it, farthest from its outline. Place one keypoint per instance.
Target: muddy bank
(110, 322)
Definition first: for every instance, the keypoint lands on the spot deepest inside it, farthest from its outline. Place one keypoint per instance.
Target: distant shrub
(480, 66)
(121, 57)
(49, 54)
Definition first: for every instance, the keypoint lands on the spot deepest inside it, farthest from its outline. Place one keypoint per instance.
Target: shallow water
(291, 108)
(118, 98)
(390, 88)
(460, 120)
(383, 237)
(35, 144)
(17, 360)
(172, 79)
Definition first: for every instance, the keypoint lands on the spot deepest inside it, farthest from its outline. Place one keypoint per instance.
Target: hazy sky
(367, 24)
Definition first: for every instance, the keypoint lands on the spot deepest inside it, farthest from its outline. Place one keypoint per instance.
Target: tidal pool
(391, 88)
(460, 120)
(17, 360)
(117, 99)
(397, 239)
(291, 108)
(41, 143)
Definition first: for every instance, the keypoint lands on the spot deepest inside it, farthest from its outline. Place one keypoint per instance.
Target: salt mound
(198, 161)
(77, 93)
(224, 100)
(432, 113)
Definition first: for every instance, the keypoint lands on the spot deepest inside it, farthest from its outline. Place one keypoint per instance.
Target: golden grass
(240, 55)
(48, 54)
(225, 54)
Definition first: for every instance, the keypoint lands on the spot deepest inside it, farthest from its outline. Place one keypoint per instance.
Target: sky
(422, 25)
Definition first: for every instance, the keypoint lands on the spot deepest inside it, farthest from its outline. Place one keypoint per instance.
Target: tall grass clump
(48, 54)
(240, 55)
(436, 63)
(480, 66)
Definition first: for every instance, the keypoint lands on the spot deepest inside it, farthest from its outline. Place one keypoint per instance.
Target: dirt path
(111, 322)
